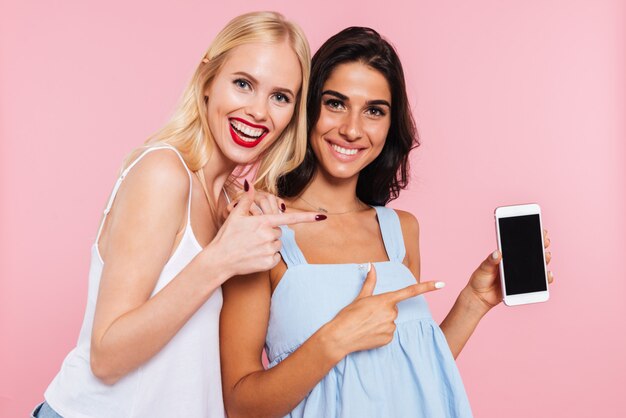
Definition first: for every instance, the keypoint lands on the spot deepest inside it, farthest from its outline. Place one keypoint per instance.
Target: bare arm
(460, 323)
(464, 316)
(129, 326)
(482, 293)
(249, 389)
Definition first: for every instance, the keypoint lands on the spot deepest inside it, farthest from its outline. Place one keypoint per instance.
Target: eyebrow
(344, 97)
(255, 81)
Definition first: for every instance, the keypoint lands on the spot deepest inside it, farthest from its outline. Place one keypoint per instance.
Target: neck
(332, 194)
(216, 172)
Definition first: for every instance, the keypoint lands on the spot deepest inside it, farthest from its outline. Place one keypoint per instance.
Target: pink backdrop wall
(515, 101)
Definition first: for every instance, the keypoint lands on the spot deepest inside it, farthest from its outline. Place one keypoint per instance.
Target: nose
(350, 127)
(257, 108)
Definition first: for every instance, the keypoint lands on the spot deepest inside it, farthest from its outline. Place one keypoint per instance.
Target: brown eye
(376, 111)
(334, 104)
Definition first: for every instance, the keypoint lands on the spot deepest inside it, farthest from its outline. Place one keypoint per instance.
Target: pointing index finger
(293, 218)
(413, 290)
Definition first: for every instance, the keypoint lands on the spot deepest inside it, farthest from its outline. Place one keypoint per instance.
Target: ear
(207, 92)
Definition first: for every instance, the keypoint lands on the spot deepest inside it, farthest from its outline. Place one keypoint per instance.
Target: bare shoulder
(410, 233)
(161, 167)
(257, 281)
(408, 222)
(159, 174)
(147, 213)
(154, 191)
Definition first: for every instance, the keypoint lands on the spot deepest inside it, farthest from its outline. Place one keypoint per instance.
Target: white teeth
(344, 151)
(251, 133)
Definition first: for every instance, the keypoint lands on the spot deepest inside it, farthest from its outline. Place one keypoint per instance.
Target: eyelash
(245, 85)
(284, 96)
(238, 82)
(334, 104)
(376, 109)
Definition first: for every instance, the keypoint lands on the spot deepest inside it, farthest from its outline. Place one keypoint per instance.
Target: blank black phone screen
(522, 254)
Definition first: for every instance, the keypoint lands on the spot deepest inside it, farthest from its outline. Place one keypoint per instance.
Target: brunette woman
(342, 317)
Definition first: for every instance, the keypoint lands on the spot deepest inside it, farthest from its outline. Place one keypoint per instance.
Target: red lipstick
(241, 138)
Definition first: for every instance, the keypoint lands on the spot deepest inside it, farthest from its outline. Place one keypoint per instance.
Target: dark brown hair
(381, 181)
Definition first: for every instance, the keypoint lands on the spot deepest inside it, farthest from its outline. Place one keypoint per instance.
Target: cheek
(378, 134)
(328, 121)
(281, 116)
(224, 98)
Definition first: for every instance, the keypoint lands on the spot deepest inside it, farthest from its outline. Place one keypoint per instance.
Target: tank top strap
(391, 231)
(292, 256)
(118, 183)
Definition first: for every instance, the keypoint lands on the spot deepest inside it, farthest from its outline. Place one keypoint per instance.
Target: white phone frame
(521, 210)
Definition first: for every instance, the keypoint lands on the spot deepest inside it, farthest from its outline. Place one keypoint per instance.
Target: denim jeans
(43, 410)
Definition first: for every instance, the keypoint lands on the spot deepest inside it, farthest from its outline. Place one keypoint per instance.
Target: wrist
(330, 343)
(213, 267)
(473, 303)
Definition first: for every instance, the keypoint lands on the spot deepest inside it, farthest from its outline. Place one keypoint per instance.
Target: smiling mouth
(246, 134)
(342, 153)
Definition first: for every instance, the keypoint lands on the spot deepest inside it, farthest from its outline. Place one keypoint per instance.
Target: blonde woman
(149, 344)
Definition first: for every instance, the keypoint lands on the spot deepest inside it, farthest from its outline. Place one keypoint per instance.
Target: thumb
(369, 284)
(242, 208)
(489, 266)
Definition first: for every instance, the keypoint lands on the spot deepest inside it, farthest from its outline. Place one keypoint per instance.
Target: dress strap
(291, 253)
(391, 231)
(118, 183)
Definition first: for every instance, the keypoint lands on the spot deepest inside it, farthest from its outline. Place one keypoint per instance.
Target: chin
(242, 158)
(341, 173)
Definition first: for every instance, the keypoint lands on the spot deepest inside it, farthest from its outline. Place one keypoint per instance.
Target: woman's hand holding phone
(484, 285)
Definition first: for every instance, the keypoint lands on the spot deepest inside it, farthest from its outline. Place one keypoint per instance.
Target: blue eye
(282, 98)
(242, 84)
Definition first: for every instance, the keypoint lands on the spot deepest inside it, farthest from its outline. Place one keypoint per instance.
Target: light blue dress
(413, 376)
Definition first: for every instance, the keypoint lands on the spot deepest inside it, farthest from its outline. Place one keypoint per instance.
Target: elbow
(230, 407)
(101, 368)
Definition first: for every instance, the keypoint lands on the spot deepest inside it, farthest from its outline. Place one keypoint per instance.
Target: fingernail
(439, 285)
(320, 217)
(369, 267)
(283, 207)
(235, 205)
(246, 186)
(495, 254)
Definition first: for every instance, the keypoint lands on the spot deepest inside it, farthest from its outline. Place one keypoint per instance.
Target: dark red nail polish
(283, 207)
(320, 217)
(235, 205)
(246, 186)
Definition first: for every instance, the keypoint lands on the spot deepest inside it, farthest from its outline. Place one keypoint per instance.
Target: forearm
(460, 323)
(136, 336)
(277, 391)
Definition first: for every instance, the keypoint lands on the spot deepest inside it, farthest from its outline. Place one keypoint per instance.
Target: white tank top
(182, 380)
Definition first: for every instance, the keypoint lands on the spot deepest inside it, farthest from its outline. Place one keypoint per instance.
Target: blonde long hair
(188, 128)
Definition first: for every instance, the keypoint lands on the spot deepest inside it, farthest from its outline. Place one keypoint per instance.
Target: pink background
(515, 101)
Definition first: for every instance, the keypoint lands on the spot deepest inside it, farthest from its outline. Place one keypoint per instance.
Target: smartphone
(523, 270)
